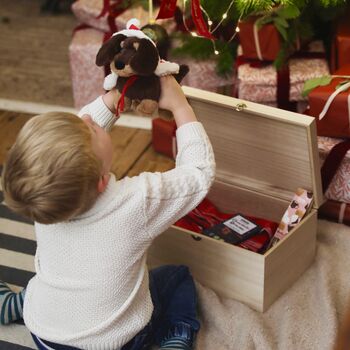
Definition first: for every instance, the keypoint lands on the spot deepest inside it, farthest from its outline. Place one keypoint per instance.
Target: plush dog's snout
(119, 64)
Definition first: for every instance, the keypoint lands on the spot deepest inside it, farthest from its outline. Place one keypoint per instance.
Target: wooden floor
(133, 152)
(34, 63)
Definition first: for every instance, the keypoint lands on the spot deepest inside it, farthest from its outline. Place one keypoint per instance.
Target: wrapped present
(102, 14)
(340, 51)
(202, 75)
(262, 44)
(337, 187)
(263, 84)
(330, 105)
(298, 106)
(335, 211)
(164, 137)
(99, 13)
(87, 78)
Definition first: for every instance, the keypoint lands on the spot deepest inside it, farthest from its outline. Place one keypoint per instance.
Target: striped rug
(17, 249)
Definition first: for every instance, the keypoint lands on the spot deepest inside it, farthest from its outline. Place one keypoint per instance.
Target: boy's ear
(146, 58)
(102, 183)
(109, 49)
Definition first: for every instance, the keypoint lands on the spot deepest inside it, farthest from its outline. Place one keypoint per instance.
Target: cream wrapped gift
(87, 78)
(260, 84)
(263, 154)
(203, 75)
(99, 13)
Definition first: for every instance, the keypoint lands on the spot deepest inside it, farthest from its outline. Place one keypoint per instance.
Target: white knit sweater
(91, 285)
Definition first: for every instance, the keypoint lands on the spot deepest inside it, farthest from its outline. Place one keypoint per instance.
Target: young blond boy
(92, 289)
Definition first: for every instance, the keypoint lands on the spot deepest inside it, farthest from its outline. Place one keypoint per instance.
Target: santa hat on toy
(133, 30)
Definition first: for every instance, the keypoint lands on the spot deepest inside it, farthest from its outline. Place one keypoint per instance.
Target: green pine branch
(303, 19)
(202, 49)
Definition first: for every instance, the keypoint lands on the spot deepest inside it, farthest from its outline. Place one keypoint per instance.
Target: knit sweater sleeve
(100, 113)
(171, 195)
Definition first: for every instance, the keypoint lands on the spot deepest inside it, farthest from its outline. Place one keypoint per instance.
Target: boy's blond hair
(51, 173)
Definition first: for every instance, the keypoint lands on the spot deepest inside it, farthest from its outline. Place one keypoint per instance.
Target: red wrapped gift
(262, 44)
(341, 45)
(330, 105)
(335, 211)
(164, 137)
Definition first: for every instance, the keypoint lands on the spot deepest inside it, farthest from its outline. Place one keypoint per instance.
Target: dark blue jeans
(175, 302)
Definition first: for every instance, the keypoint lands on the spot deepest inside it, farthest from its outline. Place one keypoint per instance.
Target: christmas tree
(302, 18)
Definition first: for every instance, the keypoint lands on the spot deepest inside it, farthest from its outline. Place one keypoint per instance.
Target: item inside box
(249, 232)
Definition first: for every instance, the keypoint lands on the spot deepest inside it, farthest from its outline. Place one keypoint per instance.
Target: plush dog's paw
(147, 107)
(110, 81)
(127, 103)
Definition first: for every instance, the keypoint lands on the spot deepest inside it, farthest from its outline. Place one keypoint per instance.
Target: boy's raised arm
(102, 110)
(171, 195)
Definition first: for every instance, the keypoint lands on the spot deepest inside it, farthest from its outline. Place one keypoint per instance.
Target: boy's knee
(169, 270)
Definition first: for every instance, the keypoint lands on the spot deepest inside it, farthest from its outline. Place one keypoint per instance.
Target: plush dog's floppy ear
(109, 49)
(146, 59)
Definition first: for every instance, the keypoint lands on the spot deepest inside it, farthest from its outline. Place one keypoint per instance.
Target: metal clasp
(196, 238)
(240, 106)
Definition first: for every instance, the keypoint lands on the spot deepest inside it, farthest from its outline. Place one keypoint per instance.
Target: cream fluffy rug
(306, 317)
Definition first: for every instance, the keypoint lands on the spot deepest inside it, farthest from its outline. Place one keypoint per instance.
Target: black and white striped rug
(17, 249)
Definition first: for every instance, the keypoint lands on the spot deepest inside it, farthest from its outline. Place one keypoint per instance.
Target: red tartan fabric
(206, 215)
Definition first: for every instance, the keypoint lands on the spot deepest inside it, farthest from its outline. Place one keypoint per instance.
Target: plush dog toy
(136, 69)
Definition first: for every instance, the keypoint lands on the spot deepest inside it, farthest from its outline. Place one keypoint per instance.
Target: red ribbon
(105, 8)
(198, 20)
(121, 102)
(167, 9)
(113, 10)
(283, 88)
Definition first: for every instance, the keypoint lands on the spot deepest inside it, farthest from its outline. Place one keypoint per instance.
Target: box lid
(260, 148)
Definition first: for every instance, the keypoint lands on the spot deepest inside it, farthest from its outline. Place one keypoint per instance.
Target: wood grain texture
(10, 124)
(286, 262)
(132, 149)
(34, 63)
(231, 271)
(270, 150)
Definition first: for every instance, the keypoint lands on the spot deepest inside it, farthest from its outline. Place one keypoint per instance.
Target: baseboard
(127, 120)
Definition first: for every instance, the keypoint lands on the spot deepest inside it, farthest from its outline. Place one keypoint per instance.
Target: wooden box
(263, 155)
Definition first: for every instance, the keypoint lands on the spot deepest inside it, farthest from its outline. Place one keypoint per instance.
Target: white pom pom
(166, 68)
(133, 21)
(110, 81)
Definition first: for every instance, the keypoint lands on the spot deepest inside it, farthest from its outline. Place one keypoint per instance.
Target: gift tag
(234, 230)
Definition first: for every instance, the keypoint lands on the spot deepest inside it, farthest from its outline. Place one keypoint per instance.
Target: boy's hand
(111, 99)
(172, 96)
(173, 99)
